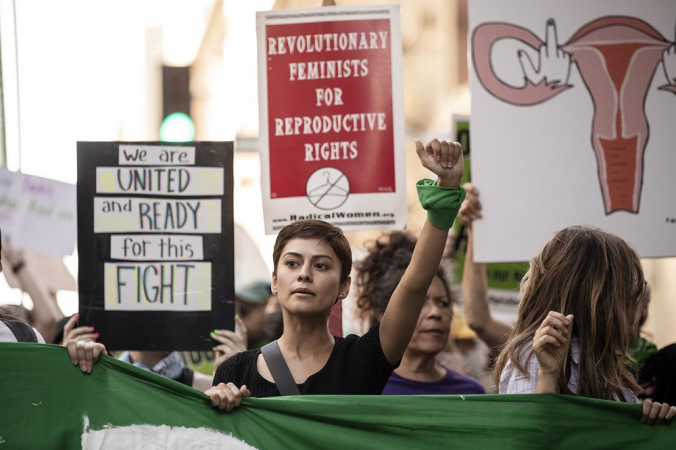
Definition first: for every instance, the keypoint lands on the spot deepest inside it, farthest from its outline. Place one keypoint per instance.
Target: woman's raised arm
(442, 200)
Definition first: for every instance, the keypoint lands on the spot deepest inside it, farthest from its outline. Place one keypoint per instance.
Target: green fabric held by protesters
(442, 208)
(48, 403)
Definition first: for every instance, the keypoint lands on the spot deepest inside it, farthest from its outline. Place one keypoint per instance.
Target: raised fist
(444, 159)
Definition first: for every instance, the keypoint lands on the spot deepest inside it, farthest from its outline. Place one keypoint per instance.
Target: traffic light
(177, 125)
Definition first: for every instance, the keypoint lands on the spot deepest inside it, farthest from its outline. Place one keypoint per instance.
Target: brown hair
(598, 278)
(380, 272)
(7, 312)
(307, 229)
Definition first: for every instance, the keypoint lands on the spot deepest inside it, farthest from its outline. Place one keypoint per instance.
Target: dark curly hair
(379, 273)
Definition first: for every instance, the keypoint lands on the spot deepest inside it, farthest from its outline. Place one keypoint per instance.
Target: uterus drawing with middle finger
(617, 58)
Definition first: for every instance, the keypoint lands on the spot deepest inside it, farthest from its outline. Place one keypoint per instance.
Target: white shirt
(6, 334)
(512, 381)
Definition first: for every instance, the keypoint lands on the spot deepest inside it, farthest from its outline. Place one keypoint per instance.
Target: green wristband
(442, 203)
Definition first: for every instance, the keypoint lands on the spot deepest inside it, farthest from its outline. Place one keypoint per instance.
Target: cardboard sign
(572, 123)
(30, 206)
(155, 240)
(331, 117)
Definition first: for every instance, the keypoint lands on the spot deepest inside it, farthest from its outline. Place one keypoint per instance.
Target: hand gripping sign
(617, 58)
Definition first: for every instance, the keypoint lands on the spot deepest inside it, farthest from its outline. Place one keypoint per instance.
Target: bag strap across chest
(279, 369)
(22, 331)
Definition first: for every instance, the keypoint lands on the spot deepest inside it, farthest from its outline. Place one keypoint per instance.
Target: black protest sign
(155, 243)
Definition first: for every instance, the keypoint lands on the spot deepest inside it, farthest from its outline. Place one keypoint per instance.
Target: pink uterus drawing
(617, 58)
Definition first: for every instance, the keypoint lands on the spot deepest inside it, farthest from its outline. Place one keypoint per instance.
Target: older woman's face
(431, 332)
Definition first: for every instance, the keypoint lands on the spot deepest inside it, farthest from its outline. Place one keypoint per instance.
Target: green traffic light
(177, 127)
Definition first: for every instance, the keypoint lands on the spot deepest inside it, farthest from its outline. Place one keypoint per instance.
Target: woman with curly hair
(419, 373)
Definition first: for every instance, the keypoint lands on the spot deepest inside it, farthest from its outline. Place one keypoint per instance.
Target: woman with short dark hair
(312, 262)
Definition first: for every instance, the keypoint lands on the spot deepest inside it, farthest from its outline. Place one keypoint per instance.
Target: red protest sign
(330, 101)
(331, 116)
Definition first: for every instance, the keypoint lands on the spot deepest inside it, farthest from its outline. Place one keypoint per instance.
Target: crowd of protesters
(582, 303)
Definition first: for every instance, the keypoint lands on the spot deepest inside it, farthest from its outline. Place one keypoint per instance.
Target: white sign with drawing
(572, 122)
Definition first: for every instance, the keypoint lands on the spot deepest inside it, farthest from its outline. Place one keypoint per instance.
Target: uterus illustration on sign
(617, 58)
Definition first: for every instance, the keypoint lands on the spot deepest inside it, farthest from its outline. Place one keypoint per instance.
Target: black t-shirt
(357, 366)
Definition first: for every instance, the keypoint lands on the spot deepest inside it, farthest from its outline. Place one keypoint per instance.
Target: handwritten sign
(30, 205)
(131, 247)
(155, 234)
(155, 155)
(173, 181)
(331, 117)
(122, 214)
(158, 287)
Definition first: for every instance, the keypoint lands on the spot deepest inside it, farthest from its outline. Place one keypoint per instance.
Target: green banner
(48, 403)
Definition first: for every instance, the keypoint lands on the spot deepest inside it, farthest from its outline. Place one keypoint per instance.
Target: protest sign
(331, 117)
(572, 122)
(37, 214)
(503, 278)
(155, 240)
(120, 406)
